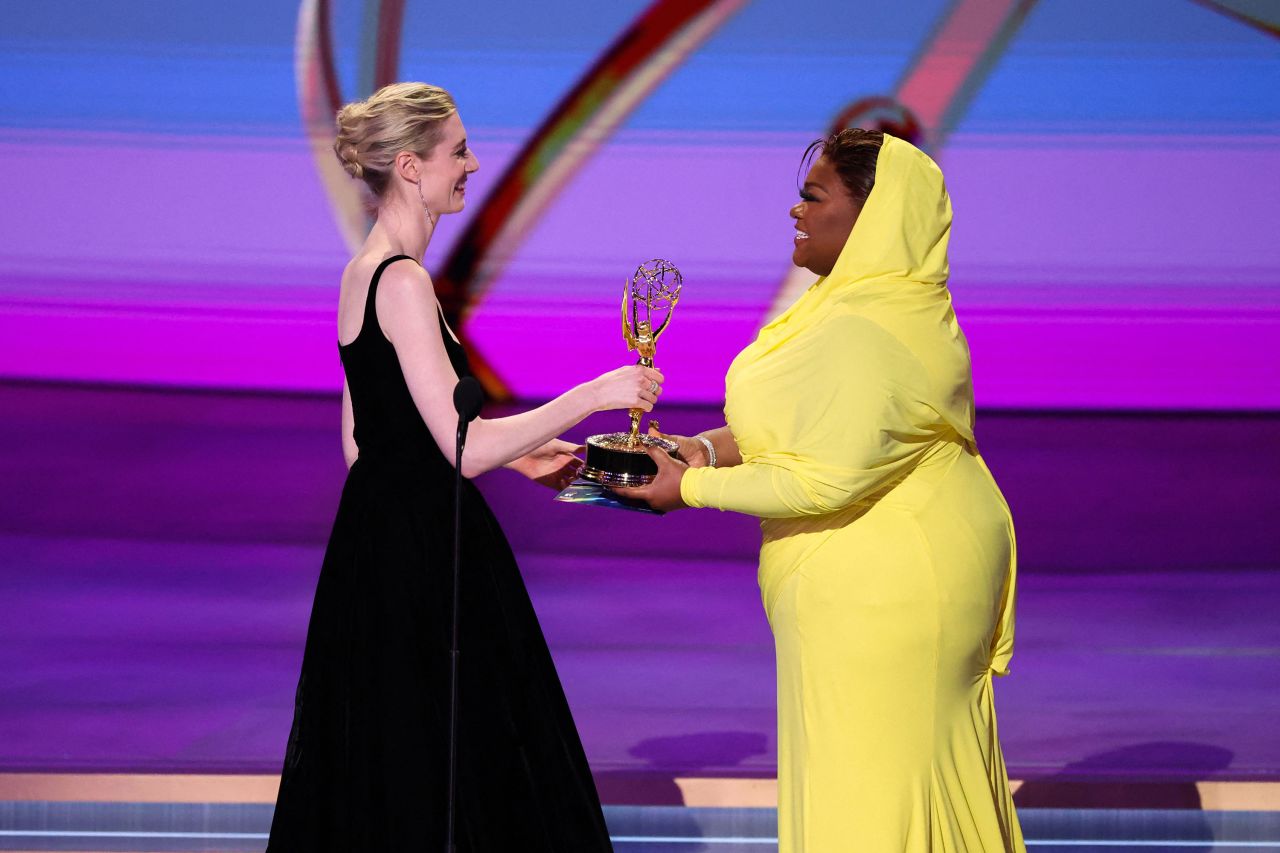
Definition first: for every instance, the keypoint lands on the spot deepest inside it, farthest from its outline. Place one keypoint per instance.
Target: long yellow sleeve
(822, 422)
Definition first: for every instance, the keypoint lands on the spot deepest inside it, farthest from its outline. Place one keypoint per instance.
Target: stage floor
(158, 553)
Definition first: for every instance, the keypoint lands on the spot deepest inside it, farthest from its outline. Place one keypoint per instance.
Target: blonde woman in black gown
(366, 763)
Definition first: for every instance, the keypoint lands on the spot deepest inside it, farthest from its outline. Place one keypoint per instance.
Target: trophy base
(614, 460)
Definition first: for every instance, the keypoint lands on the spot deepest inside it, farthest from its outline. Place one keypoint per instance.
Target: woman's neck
(403, 231)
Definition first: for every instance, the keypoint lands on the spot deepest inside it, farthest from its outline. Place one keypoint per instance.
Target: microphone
(467, 400)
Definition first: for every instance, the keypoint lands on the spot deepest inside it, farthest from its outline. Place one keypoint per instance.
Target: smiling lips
(801, 235)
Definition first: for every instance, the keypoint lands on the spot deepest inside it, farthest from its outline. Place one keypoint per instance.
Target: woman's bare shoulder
(406, 303)
(401, 285)
(359, 270)
(404, 273)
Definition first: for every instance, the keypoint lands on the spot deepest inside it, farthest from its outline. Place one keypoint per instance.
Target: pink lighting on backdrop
(1080, 274)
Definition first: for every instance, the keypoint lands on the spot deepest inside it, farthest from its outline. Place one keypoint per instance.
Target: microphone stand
(467, 400)
(450, 846)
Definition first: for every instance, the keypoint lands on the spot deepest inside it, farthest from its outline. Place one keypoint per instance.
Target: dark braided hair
(853, 153)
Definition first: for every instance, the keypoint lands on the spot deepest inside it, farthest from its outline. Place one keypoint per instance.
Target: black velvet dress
(367, 760)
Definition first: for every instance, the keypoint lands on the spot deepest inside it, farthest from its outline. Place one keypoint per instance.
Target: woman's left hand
(663, 494)
(554, 464)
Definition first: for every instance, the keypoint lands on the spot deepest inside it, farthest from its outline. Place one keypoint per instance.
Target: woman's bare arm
(407, 311)
(694, 453)
(727, 453)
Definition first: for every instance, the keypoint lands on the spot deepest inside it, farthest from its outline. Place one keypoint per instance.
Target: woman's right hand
(631, 387)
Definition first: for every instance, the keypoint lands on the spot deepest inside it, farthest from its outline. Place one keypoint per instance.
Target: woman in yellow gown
(887, 564)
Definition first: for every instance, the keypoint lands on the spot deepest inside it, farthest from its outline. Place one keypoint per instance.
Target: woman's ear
(408, 166)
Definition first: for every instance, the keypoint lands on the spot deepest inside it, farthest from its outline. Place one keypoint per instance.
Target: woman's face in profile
(444, 183)
(824, 217)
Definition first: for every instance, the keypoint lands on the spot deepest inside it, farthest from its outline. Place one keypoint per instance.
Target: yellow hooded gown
(887, 564)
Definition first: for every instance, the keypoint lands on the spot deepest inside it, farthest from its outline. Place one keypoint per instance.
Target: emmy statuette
(648, 299)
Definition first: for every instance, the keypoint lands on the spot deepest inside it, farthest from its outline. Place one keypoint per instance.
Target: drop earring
(426, 210)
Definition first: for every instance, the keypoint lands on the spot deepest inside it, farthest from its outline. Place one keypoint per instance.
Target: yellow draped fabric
(887, 566)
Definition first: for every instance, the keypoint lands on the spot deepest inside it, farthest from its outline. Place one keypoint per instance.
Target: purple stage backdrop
(1114, 178)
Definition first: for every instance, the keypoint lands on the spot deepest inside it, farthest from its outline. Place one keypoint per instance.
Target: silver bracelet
(711, 450)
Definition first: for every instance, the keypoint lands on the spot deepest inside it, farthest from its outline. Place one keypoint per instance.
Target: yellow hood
(893, 271)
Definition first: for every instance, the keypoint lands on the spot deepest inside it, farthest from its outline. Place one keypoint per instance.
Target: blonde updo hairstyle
(399, 117)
